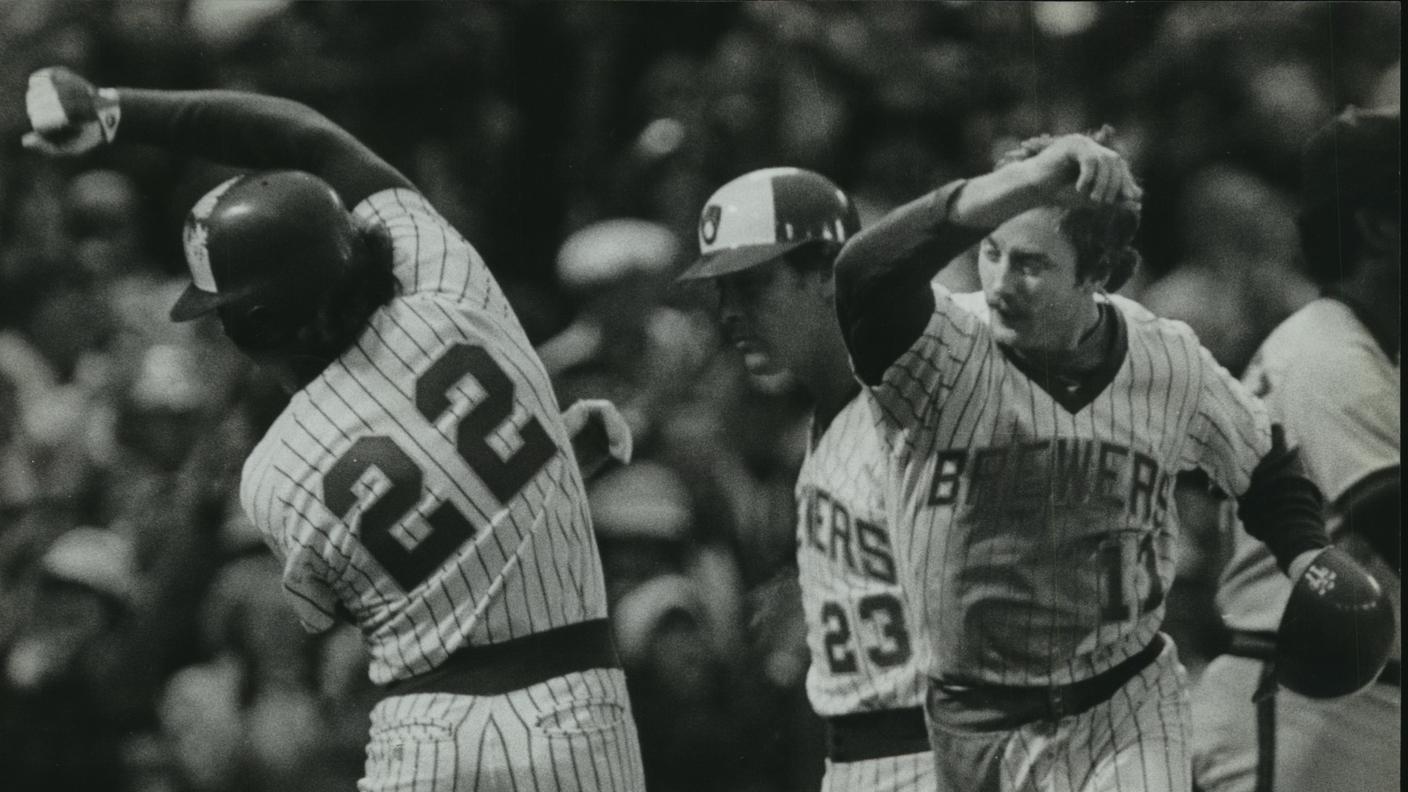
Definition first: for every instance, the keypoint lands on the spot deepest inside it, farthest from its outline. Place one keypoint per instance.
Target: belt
(876, 735)
(499, 668)
(1262, 646)
(1029, 703)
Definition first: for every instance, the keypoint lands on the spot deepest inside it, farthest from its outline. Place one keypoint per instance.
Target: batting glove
(68, 114)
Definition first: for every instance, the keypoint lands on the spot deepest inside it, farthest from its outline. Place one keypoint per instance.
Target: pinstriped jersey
(863, 649)
(1035, 523)
(1337, 394)
(424, 482)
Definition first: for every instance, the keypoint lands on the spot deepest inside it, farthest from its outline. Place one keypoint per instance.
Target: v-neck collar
(1075, 392)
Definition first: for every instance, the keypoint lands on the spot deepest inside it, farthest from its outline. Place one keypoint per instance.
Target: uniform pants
(573, 733)
(1135, 741)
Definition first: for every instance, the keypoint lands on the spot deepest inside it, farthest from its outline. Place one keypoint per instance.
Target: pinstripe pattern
(889, 774)
(367, 488)
(850, 585)
(865, 654)
(1037, 542)
(1135, 741)
(567, 734)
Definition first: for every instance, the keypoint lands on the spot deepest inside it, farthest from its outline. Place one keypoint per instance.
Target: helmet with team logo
(763, 215)
(1337, 631)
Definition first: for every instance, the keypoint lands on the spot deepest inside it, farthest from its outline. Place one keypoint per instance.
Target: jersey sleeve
(1231, 431)
(1342, 412)
(926, 372)
(430, 255)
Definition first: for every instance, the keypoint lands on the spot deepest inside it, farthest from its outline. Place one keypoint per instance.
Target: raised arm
(70, 117)
(883, 294)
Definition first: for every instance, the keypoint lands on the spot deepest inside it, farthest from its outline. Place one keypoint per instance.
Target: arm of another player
(70, 116)
(883, 295)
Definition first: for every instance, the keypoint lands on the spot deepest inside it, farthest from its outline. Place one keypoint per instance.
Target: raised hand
(68, 115)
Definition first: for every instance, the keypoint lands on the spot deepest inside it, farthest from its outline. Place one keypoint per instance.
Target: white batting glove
(69, 116)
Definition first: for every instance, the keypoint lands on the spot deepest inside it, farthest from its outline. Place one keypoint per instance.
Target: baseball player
(768, 240)
(1329, 374)
(1034, 432)
(420, 483)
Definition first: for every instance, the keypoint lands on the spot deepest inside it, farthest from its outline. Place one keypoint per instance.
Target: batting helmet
(763, 215)
(1337, 629)
(274, 239)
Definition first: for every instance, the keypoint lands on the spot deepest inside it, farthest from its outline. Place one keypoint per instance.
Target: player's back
(423, 482)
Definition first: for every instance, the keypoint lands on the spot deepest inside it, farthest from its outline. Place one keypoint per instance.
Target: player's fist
(68, 115)
(1080, 168)
(599, 434)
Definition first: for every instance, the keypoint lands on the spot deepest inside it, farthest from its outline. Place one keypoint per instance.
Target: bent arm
(253, 131)
(883, 293)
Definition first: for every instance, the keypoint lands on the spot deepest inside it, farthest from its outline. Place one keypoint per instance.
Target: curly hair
(308, 333)
(1102, 234)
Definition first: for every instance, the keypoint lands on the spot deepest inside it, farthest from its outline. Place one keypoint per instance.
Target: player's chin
(1007, 333)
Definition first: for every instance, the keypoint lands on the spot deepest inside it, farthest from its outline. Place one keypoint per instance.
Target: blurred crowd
(144, 641)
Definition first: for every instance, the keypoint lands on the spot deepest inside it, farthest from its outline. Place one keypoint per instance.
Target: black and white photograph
(647, 396)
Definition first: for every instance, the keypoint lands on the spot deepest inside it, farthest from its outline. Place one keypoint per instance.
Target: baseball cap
(768, 213)
(1353, 158)
(279, 234)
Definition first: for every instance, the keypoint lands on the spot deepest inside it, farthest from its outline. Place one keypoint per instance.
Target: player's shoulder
(396, 205)
(1143, 324)
(1321, 325)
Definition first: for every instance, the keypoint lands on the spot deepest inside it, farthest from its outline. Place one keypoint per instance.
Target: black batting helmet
(274, 240)
(1337, 630)
(763, 215)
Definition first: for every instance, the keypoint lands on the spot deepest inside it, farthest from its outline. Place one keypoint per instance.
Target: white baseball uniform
(424, 484)
(866, 675)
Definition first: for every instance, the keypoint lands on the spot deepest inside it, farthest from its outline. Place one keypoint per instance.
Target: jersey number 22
(450, 528)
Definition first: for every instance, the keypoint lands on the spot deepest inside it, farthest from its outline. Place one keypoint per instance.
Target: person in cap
(768, 241)
(422, 482)
(1330, 375)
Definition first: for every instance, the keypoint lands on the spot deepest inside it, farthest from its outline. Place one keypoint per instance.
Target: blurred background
(144, 644)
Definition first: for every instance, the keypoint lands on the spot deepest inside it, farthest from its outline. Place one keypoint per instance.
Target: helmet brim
(737, 259)
(195, 303)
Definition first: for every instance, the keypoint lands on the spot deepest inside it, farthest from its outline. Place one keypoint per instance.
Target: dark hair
(1102, 235)
(309, 335)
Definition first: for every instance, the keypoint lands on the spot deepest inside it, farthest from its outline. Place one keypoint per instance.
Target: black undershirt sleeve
(253, 131)
(883, 292)
(1372, 509)
(1282, 507)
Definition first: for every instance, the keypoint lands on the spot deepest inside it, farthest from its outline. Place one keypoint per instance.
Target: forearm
(253, 131)
(1283, 508)
(884, 297)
